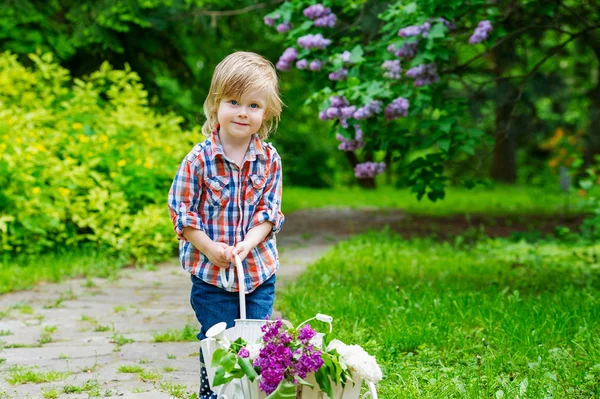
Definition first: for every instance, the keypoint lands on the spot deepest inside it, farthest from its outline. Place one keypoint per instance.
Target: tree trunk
(592, 148)
(504, 163)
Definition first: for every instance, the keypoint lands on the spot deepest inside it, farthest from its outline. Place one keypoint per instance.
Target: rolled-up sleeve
(184, 198)
(269, 206)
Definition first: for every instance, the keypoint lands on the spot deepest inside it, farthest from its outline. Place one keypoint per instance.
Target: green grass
(22, 375)
(499, 200)
(188, 333)
(496, 319)
(24, 272)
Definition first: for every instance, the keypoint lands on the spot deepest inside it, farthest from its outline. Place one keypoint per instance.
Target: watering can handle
(228, 283)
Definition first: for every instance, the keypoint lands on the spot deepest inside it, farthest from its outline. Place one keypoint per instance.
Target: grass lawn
(24, 272)
(499, 200)
(498, 319)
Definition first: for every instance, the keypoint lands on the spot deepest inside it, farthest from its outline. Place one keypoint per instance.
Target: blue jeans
(213, 305)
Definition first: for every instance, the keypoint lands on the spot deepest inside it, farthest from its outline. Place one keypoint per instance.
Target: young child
(226, 197)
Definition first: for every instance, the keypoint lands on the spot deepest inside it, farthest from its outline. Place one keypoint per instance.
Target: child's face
(240, 118)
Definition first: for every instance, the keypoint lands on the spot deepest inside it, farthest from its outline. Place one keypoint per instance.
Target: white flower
(358, 360)
(253, 349)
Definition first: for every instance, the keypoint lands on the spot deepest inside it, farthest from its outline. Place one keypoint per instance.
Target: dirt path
(90, 330)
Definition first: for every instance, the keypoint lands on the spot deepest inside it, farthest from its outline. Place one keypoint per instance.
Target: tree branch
(225, 13)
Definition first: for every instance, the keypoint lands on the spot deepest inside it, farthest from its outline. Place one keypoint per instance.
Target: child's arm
(184, 201)
(216, 252)
(255, 236)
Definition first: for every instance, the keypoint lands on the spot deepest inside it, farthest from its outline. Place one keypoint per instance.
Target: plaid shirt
(211, 193)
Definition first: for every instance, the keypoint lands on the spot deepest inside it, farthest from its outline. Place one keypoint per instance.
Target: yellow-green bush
(84, 161)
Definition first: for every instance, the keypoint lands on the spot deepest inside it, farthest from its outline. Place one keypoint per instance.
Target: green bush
(84, 161)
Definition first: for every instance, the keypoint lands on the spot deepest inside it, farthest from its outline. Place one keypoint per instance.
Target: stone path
(91, 329)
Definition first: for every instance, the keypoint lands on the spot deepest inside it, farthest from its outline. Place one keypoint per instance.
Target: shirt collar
(255, 149)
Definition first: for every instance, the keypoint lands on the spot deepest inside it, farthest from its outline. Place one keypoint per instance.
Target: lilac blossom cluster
(341, 109)
(423, 74)
(271, 21)
(407, 51)
(284, 27)
(392, 69)
(423, 29)
(415, 30)
(281, 357)
(368, 170)
(340, 74)
(314, 65)
(286, 60)
(313, 41)
(351, 144)
(322, 16)
(367, 111)
(397, 108)
(481, 32)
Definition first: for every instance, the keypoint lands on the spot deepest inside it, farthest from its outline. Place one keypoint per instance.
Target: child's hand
(241, 249)
(218, 254)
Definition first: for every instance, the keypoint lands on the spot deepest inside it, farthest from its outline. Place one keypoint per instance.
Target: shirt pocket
(255, 188)
(217, 190)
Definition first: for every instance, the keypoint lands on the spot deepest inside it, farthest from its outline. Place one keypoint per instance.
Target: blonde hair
(240, 73)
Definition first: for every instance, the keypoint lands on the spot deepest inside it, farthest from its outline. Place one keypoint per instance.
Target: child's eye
(233, 102)
(253, 105)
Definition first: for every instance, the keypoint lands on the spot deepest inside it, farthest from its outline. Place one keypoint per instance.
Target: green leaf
(285, 390)
(410, 8)
(247, 368)
(304, 382)
(219, 377)
(444, 145)
(228, 362)
(217, 356)
(356, 55)
(586, 184)
(437, 31)
(323, 381)
(446, 124)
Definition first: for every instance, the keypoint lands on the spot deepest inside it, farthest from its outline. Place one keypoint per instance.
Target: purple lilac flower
(481, 32)
(368, 170)
(284, 27)
(315, 11)
(338, 75)
(327, 21)
(333, 112)
(392, 68)
(309, 361)
(348, 111)
(397, 108)
(277, 361)
(349, 144)
(313, 41)
(302, 64)
(306, 333)
(287, 58)
(423, 74)
(315, 65)
(271, 21)
(407, 51)
(345, 56)
(367, 111)
(323, 116)
(415, 30)
(338, 101)
(244, 352)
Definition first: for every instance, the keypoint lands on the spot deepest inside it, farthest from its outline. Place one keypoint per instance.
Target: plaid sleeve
(269, 206)
(184, 199)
